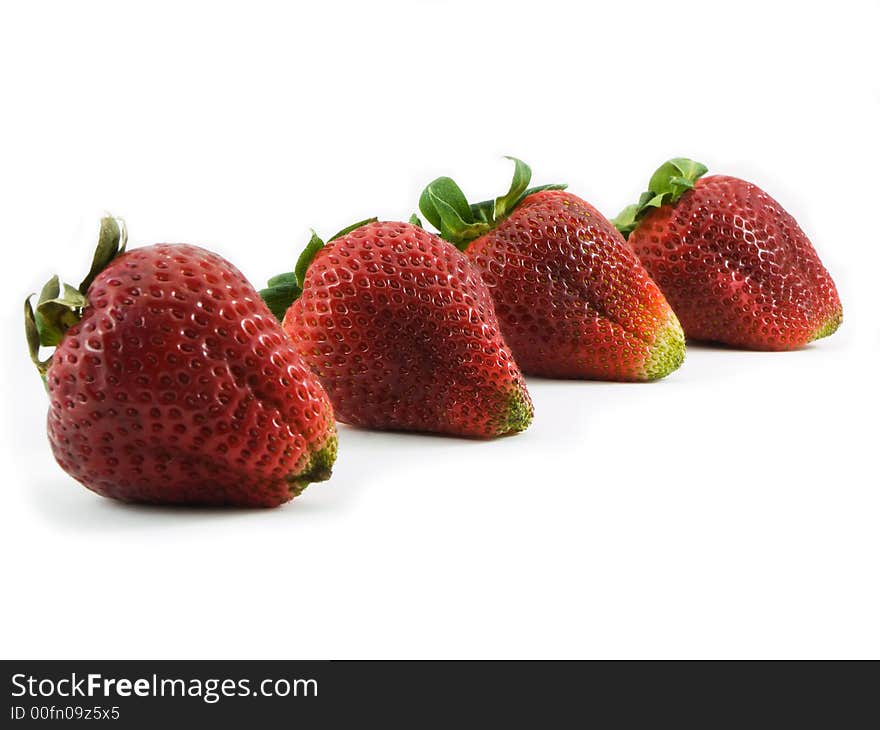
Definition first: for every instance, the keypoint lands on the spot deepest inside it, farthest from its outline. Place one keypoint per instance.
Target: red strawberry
(733, 264)
(171, 382)
(402, 333)
(572, 299)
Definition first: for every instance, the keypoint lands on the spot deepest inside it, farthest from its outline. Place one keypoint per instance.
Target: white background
(728, 511)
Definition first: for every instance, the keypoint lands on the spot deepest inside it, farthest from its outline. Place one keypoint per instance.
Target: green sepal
(282, 279)
(414, 220)
(522, 175)
(305, 259)
(315, 244)
(445, 206)
(447, 191)
(456, 221)
(485, 210)
(283, 290)
(668, 183)
(112, 239)
(541, 188)
(59, 305)
(32, 334)
(626, 219)
(353, 227)
(675, 177)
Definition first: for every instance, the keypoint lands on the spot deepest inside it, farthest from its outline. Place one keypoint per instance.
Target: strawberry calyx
(60, 305)
(446, 208)
(668, 183)
(283, 290)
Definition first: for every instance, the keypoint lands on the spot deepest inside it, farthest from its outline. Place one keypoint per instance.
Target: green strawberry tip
(518, 413)
(667, 352)
(318, 469)
(829, 326)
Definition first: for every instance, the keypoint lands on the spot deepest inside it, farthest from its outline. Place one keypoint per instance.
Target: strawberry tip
(318, 469)
(667, 352)
(830, 325)
(519, 413)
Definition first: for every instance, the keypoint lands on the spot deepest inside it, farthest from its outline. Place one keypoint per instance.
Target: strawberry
(171, 382)
(401, 331)
(734, 265)
(572, 299)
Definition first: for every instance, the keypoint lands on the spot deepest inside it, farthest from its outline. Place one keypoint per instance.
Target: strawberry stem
(445, 206)
(60, 305)
(283, 290)
(112, 239)
(668, 183)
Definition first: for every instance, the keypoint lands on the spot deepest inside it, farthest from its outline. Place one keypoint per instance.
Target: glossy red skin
(401, 331)
(178, 386)
(736, 267)
(572, 299)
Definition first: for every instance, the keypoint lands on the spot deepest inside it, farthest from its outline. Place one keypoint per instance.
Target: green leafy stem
(670, 181)
(283, 290)
(60, 305)
(446, 208)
